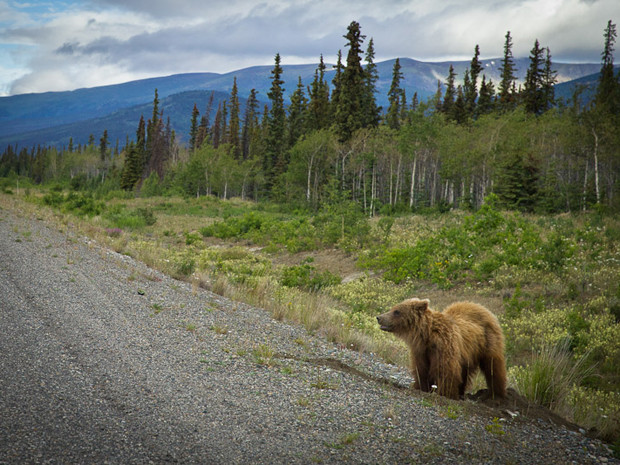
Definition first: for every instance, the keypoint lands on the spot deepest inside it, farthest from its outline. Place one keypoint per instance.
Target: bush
(119, 217)
(306, 276)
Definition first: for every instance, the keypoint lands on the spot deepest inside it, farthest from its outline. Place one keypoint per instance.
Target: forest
(474, 137)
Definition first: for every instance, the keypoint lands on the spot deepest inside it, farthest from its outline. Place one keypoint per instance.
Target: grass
(552, 280)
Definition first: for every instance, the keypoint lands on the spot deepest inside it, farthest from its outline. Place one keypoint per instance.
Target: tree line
(331, 141)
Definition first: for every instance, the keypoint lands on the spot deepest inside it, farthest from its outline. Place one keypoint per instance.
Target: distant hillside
(52, 118)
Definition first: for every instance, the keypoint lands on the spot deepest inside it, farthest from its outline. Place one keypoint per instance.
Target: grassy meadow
(552, 280)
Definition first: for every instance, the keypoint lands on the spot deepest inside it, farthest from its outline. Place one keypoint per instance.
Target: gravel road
(103, 360)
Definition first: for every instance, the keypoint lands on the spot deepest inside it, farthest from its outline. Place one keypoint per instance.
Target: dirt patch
(332, 260)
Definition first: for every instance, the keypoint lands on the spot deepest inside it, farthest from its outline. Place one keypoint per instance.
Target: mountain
(52, 118)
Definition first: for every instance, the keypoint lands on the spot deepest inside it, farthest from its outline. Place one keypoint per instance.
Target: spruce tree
(533, 91)
(193, 130)
(608, 92)
(233, 126)
(103, 145)
(548, 82)
(297, 114)
(337, 83)
(486, 100)
(216, 131)
(318, 107)
(349, 115)
(448, 100)
(471, 87)
(506, 93)
(394, 97)
(274, 162)
(250, 124)
(459, 111)
(370, 110)
(132, 168)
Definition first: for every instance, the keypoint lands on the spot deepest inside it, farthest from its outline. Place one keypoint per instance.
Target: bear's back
(479, 328)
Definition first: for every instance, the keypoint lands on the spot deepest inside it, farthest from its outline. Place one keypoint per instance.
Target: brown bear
(447, 348)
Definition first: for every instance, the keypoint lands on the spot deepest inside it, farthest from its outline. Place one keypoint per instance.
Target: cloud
(96, 42)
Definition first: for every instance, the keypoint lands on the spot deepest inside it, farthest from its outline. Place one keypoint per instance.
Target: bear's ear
(418, 304)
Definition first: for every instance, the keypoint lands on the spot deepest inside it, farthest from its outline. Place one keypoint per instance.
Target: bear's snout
(384, 323)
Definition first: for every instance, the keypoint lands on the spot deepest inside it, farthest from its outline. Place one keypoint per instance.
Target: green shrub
(306, 276)
(119, 217)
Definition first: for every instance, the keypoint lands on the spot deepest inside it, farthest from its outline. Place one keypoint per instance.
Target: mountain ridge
(30, 119)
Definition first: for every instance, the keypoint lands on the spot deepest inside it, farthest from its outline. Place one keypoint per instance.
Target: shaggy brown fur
(447, 348)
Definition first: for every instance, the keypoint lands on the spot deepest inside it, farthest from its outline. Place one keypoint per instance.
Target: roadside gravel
(103, 360)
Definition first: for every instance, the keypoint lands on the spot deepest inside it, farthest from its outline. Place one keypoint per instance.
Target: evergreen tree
(103, 145)
(370, 110)
(459, 111)
(394, 97)
(297, 111)
(533, 92)
(132, 168)
(471, 82)
(250, 124)
(349, 115)
(337, 83)
(486, 101)
(506, 92)
(193, 131)
(608, 92)
(274, 162)
(216, 131)
(152, 125)
(448, 100)
(437, 103)
(548, 82)
(233, 126)
(318, 107)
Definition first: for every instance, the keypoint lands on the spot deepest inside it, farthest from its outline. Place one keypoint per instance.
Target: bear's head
(404, 316)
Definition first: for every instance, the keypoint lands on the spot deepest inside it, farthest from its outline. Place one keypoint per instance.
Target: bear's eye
(396, 312)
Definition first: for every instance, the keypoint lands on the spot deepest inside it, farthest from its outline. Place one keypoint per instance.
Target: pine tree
(608, 92)
(486, 100)
(132, 168)
(274, 162)
(459, 111)
(318, 107)
(506, 93)
(548, 82)
(370, 110)
(532, 93)
(250, 124)
(152, 125)
(437, 103)
(233, 126)
(471, 87)
(193, 131)
(337, 83)
(448, 99)
(297, 111)
(349, 115)
(394, 97)
(216, 131)
(103, 145)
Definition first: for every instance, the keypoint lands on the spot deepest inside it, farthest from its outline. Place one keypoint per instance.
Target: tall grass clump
(550, 377)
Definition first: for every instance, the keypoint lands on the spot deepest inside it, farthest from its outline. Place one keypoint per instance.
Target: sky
(57, 45)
